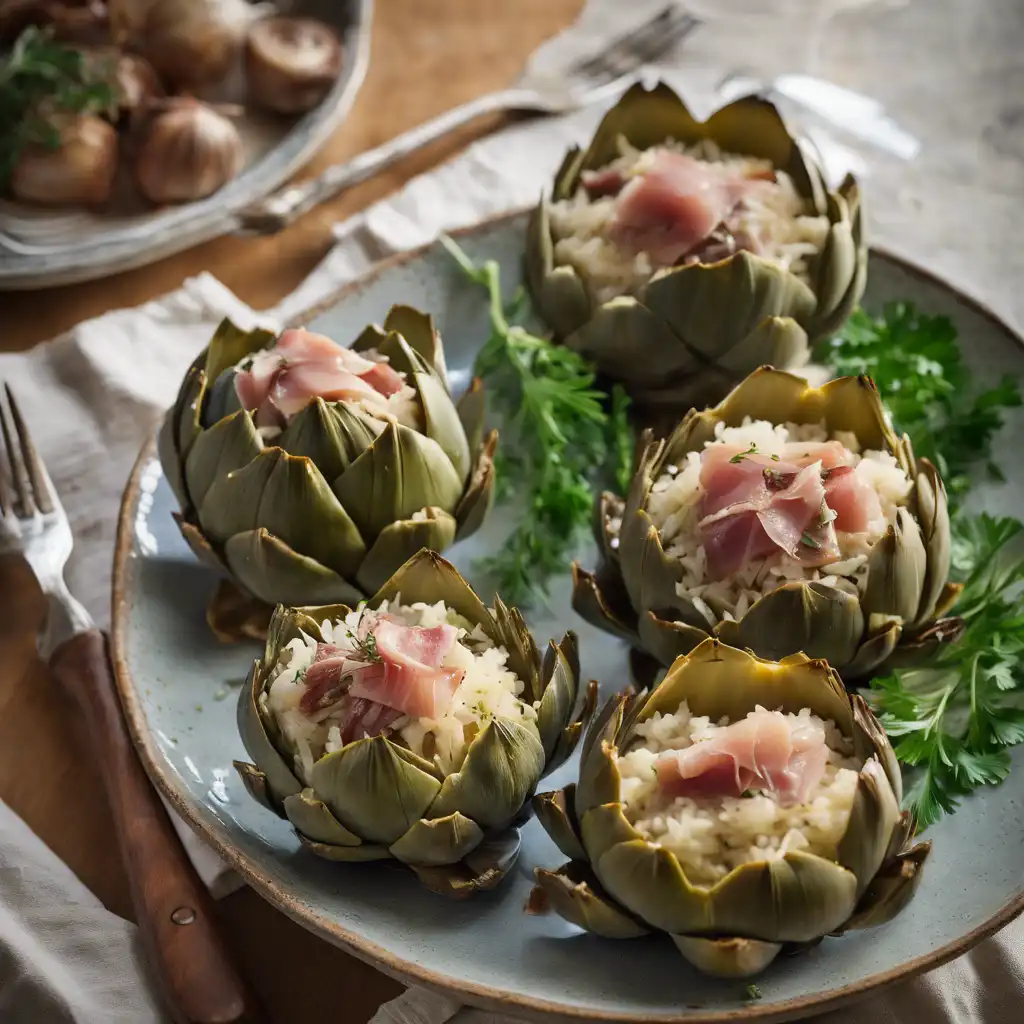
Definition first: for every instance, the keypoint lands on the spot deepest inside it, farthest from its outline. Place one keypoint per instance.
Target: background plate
(131, 242)
(179, 687)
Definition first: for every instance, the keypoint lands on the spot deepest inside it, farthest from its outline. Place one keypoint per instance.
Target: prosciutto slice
(673, 206)
(854, 501)
(766, 751)
(301, 366)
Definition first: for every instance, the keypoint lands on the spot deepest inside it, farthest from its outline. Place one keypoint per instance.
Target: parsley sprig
(560, 435)
(38, 79)
(952, 719)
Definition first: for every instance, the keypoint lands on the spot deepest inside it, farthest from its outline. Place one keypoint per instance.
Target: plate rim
(411, 972)
(30, 273)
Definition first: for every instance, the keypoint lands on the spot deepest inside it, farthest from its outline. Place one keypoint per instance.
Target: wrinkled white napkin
(91, 397)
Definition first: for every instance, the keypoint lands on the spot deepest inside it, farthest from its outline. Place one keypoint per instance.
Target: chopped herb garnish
(366, 648)
(752, 450)
(753, 992)
(808, 541)
(954, 717)
(560, 437)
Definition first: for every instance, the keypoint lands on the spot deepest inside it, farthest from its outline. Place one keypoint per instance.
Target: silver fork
(586, 81)
(172, 907)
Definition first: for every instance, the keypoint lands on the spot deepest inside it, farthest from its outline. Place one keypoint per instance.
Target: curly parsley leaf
(560, 435)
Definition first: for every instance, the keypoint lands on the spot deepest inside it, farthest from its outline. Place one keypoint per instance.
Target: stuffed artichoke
(415, 727)
(680, 255)
(787, 518)
(310, 472)
(743, 806)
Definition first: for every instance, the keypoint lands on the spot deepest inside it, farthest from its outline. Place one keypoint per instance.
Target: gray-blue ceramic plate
(179, 688)
(66, 246)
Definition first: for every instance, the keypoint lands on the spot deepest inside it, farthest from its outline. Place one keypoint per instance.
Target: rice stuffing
(711, 835)
(674, 204)
(480, 685)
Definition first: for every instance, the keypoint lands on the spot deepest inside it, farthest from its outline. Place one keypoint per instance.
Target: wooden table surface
(427, 56)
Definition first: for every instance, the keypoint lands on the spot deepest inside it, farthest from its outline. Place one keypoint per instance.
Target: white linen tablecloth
(93, 395)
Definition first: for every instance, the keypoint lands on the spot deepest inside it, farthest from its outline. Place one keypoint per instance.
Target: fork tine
(643, 44)
(33, 465)
(19, 475)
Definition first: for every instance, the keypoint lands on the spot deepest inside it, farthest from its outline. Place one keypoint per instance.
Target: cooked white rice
(712, 835)
(488, 690)
(774, 213)
(675, 510)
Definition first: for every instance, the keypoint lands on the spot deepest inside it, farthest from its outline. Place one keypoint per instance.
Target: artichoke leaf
(346, 854)
(603, 827)
(502, 767)
(332, 434)
(429, 578)
(890, 890)
(569, 737)
(272, 571)
(727, 958)
(576, 895)
(170, 462)
(870, 740)
(476, 503)
(650, 576)
(233, 614)
(188, 411)
(836, 263)
(933, 517)
(481, 869)
(897, 566)
(443, 423)
(607, 608)
(874, 651)
(257, 787)
(418, 331)
(556, 811)
(822, 621)
(667, 639)
(230, 345)
(873, 818)
(599, 780)
(311, 818)
(200, 546)
(374, 788)
(776, 340)
(560, 296)
(561, 673)
(281, 781)
(397, 543)
(431, 843)
(472, 408)
(229, 444)
(400, 473)
(690, 300)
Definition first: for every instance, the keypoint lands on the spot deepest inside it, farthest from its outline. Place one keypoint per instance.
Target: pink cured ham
(753, 506)
(302, 366)
(673, 206)
(414, 682)
(764, 751)
(853, 500)
(600, 184)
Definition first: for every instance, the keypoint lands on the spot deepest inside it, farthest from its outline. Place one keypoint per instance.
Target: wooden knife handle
(172, 906)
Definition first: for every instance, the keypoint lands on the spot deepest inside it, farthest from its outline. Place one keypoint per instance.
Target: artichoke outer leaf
(835, 265)
(438, 841)
(170, 461)
(501, 769)
(874, 651)
(870, 740)
(575, 894)
(289, 623)
(188, 411)
(331, 434)
(690, 300)
(476, 503)
(418, 331)
(374, 788)
(874, 816)
(230, 344)
(561, 673)
(429, 578)
(897, 566)
(472, 408)
(776, 340)
(569, 737)
(311, 818)
(233, 614)
(629, 343)
(221, 399)
(229, 444)
(480, 870)
(257, 787)
(556, 812)
(667, 639)
(200, 546)
(890, 890)
(559, 294)
(933, 517)
(280, 778)
(603, 607)
(603, 827)
(362, 853)
(397, 543)
(599, 779)
(649, 574)
(727, 958)
(819, 620)
(443, 423)
(274, 572)
(400, 473)
(523, 657)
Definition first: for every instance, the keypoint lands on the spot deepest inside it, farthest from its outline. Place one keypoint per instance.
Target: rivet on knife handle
(201, 985)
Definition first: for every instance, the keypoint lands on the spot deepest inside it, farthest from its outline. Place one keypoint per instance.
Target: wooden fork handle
(173, 909)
